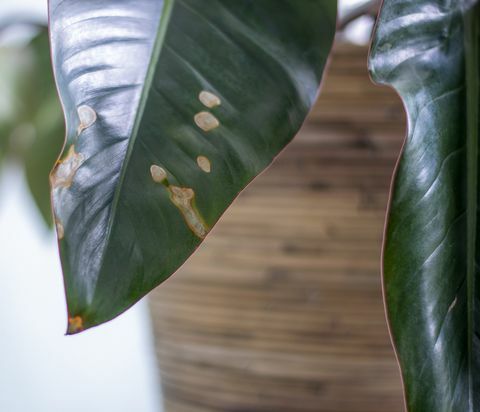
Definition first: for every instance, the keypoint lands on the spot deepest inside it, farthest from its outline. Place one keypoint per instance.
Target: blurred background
(280, 310)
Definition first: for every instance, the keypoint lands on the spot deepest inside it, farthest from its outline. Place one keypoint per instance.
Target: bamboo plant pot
(280, 309)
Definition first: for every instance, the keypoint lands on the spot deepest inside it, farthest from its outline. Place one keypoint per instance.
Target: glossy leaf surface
(172, 108)
(428, 51)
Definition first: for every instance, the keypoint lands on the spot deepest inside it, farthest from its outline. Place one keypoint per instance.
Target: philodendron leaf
(172, 108)
(428, 50)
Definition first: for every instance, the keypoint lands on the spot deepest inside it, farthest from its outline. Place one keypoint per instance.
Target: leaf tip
(75, 325)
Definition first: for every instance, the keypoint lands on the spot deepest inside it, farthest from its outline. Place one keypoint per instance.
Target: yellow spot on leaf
(75, 325)
(87, 117)
(204, 164)
(209, 100)
(206, 121)
(182, 197)
(158, 173)
(64, 172)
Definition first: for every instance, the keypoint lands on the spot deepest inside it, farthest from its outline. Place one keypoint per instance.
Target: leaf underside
(428, 51)
(150, 162)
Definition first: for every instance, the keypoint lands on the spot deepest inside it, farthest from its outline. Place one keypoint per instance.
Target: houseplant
(427, 50)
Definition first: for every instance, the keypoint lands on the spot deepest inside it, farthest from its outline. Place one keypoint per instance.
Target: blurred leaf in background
(31, 120)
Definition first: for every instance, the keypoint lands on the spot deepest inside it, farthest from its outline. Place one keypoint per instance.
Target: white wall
(111, 368)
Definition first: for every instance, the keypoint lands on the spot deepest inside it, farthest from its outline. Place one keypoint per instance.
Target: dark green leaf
(153, 163)
(428, 51)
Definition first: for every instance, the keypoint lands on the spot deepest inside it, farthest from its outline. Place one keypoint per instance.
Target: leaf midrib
(155, 56)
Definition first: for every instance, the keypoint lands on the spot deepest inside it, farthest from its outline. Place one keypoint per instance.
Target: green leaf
(4, 132)
(428, 51)
(31, 121)
(42, 153)
(172, 109)
(9, 61)
(43, 111)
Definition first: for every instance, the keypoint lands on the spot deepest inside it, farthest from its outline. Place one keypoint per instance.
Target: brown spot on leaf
(158, 173)
(206, 121)
(204, 164)
(209, 99)
(87, 117)
(64, 172)
(60, 230)
(182, 197)
(75, 325)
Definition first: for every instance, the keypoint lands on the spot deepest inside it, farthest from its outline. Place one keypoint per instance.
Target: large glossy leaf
(172, 108)
(428, 51)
